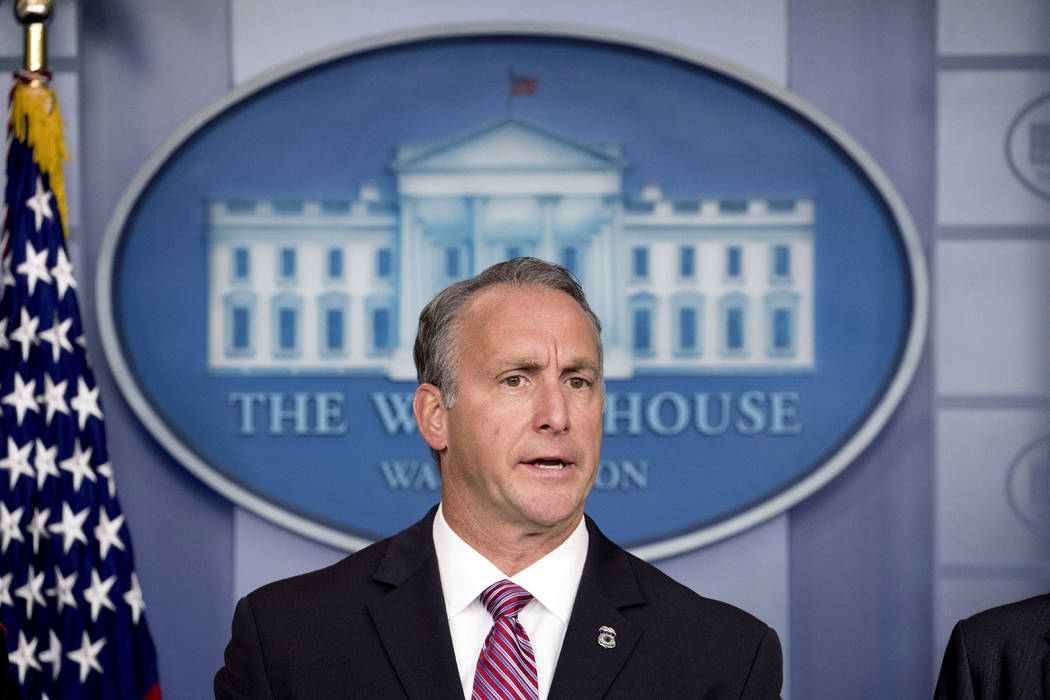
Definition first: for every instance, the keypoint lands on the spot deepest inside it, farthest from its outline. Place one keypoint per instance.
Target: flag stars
(85, 403)
(5, 344)
(44, 460)
(38, 527)
(25, 334)
(87, 655)
(5, 590)
(9, 530)
(63, 273)
(106, 532)
(79, 465)
(71, 528)
(63, 590)
(34, 267)
(58, 336)
(5, 272)
(134, 599)
(106, 470)
(24, 657)
(40, 203)
(30, 591)
(54, 397)
(97, 594)
(53, 655)
(21, 397)
(17, 461)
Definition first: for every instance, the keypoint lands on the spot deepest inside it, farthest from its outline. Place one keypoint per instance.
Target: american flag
(523, 85)
(69, 596)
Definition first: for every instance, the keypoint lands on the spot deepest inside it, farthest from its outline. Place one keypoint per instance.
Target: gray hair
(436, 350)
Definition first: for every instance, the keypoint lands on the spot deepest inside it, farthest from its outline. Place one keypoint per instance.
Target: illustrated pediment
(508, 144)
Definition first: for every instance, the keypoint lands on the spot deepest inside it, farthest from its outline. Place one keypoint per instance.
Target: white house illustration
(681, 285)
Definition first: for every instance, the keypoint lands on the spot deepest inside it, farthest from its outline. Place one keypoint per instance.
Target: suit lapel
(607, 586)
(411, 618)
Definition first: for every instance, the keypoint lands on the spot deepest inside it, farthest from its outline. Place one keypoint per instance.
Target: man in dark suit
(510, 402)
(1003, 652)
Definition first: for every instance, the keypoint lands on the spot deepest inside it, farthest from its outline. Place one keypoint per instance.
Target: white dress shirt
(552, 581)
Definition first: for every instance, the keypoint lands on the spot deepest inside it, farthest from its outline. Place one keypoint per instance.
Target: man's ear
(431, 416)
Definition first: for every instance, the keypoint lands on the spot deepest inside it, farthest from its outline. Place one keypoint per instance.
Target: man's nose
(551, 409)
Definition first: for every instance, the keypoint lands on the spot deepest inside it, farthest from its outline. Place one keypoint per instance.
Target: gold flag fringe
(35, 120)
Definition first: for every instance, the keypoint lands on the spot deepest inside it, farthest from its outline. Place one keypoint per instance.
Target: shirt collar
(552, 580)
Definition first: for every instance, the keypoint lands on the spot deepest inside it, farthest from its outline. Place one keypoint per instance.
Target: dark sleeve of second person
(956, 680)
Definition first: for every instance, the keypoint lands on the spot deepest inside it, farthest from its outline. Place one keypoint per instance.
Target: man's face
(525, 433)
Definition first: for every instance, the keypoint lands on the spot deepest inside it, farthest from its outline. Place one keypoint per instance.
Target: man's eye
(578, 383)
(513, 381)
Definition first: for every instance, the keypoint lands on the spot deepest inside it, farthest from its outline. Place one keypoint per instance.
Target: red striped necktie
(506, 667)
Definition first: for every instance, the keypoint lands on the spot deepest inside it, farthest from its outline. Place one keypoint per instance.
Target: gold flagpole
(34, 15)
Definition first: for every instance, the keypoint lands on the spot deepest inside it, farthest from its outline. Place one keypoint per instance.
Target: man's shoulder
(995, 618)
(999, 652)
(1014, 623)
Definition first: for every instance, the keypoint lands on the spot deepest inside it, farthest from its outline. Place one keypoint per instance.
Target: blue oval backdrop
(761, 287)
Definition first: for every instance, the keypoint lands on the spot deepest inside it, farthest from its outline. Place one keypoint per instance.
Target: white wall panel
(263, 553)
(992, 317)
(992, 510)
(751, 33)
(999, 27)
(975, 185)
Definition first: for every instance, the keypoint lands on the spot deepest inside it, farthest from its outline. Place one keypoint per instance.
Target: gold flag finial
(33, 116)
(35, 16)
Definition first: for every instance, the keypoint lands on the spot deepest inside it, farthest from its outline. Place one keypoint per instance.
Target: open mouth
(552, 464)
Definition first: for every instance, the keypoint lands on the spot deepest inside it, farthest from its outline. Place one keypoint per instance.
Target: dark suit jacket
(999, 653)
(374, 626)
